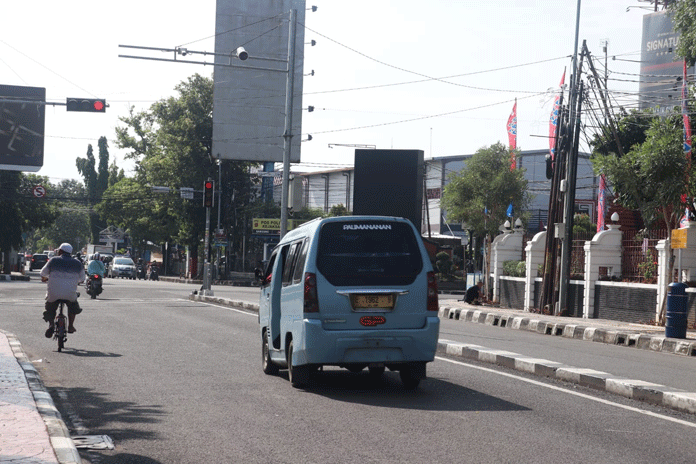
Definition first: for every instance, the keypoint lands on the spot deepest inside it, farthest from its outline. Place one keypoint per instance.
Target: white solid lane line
(570, 392)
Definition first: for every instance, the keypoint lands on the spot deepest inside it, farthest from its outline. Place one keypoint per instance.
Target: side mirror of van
(258, 274)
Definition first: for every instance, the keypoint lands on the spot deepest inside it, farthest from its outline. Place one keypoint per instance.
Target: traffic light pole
(205, 289)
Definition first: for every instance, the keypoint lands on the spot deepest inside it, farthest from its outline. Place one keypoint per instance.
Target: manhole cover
(93, 442)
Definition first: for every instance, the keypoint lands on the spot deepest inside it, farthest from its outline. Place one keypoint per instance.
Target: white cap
(66, 247)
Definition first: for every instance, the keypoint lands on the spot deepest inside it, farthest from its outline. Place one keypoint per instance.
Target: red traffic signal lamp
(87, 105)
(208, 188)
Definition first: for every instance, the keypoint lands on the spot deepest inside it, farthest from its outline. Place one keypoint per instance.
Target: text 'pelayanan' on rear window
(367, 226)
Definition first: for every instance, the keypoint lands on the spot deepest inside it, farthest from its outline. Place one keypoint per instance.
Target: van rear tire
(268, 367)
(411, 375)
(298, 375)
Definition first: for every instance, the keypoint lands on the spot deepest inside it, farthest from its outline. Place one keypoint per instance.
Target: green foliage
(308, 213)
(444, 265)
(339, 210)
(648, 267)
(96, 182)
(171, 144)
(21, 211)
(514, 268)
(684, 19)
(649, 177)
(583, 226)
(486, 182)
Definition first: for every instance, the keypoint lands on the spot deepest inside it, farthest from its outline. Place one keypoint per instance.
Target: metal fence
(577, 258)
(638, 258)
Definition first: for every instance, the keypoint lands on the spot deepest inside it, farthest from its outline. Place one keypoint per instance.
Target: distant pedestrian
(474, 295)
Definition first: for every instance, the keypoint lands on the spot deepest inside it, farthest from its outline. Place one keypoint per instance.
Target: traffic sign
(679, 238)
(39, 191)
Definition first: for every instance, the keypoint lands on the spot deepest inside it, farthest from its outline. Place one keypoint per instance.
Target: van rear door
(371, 275)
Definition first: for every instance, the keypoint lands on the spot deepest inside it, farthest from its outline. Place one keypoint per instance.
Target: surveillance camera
(242, 54)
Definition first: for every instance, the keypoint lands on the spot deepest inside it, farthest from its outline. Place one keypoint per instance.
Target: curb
(661, 395)
(58, 433)
(630, 338)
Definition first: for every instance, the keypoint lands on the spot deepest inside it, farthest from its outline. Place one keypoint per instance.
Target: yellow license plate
(376, 301)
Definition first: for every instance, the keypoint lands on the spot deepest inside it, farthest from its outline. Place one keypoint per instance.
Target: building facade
(325, 189)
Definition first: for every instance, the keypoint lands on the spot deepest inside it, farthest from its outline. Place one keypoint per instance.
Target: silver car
(122, 267)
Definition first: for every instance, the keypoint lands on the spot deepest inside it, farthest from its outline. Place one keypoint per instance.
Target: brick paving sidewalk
(23, 433)
(31, 428)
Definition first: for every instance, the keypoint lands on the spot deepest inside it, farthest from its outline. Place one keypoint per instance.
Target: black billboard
(22, 127)
(389, 183)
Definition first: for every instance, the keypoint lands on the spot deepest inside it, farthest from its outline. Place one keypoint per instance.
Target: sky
(439, 76)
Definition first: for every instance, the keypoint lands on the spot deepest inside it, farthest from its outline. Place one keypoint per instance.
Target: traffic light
(208, 196)
(88, 105)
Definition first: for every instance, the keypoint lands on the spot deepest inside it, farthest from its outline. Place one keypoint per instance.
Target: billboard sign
(22, 127)
(660, 68)
(250, 95)
(272, 225)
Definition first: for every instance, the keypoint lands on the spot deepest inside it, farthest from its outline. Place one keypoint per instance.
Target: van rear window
(368, 253)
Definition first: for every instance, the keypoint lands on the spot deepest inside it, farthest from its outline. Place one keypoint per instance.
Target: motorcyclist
(96, 266)
(63, 274)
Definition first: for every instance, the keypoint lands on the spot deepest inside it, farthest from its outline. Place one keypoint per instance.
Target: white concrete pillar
(535, 250)
(604, 250)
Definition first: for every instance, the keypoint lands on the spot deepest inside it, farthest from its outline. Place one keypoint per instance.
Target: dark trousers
(52, 306)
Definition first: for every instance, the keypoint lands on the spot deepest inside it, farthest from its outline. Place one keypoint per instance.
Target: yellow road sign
(678, 238)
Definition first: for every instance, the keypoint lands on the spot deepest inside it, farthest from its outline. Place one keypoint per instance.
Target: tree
(21, 211)
(171, 144)
(481, 193)
(651, 176)
(684, 18)
(96, 182)
(339, 210)
(130, 205)
(72, 223)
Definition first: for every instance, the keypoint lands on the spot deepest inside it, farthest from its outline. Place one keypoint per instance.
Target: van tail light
(311, 299)
(432, 292)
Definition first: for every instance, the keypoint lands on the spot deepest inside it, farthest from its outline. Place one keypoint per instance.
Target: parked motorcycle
(94, 285)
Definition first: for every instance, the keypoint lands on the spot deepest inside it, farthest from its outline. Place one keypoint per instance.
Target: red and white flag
(601, 203)
(685, 116)
(512, 136)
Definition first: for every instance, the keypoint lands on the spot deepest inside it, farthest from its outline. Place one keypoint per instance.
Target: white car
(122, 267)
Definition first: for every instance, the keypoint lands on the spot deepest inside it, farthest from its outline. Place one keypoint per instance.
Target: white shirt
(64, 273)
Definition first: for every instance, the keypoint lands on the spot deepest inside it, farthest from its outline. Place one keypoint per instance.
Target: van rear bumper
(338, 347)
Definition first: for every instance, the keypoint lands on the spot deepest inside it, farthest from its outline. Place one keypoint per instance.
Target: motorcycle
(153, 274)
(142, 272)
(94, 285)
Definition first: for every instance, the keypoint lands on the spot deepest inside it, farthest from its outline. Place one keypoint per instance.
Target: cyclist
(63, 274)
(96, 266)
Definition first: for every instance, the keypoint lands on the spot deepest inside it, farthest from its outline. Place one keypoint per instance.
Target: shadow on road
(433, 394)
(89, 354)
(121, 420)
(120, 458)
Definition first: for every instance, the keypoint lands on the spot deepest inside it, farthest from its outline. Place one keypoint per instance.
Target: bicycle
(60, 332)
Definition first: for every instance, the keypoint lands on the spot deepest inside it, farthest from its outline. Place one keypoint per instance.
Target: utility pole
(571, 171)
(208, 195)
(287, 134)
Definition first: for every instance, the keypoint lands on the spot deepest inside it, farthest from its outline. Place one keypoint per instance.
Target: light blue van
(354, 291)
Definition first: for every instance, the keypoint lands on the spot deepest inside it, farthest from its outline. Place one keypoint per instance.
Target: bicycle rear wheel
(61, 329)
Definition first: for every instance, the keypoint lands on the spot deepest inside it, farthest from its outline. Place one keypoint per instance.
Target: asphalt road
(176, 381)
